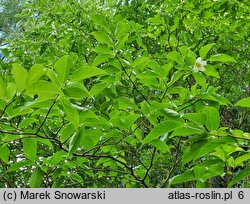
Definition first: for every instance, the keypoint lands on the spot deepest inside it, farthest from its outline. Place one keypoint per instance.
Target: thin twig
(151, 163)
(6, 108)
(134, 85)
(47, 114)
(175, 162)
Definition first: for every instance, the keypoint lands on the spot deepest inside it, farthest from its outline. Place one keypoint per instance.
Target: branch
(141, 181)
(28, 134)
(134, 153)
(8, 184)
(232, 136)
(6, 107)
(134, 85)
(118, 161)
(47, 114)
(88, 155)
(151, 163)
(176, 161)
(187, 104)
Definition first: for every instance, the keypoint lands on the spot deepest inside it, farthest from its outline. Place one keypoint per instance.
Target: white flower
(199, 65)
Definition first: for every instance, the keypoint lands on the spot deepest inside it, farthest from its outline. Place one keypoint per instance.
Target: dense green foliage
(124, 93)
(8, 10)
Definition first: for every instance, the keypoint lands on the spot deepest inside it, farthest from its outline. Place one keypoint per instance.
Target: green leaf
(175, 77)
(76, 177)
(154, 65)
(125, 102)
(55, 159)
(214, 97)
(196, 117)
(45, 142)
(10, 91)
(102, 37)
(97, 88)
(237, 133)
(221, 58)
(208, 169)
(87, 72)
(44, 89)
(245, 102)
(161, 129)
(4, 153)
(36, 178)
(17, 165)
(212, 118)
(35, 73)
(203, 148)
(212, 144)
(160, 145)
(205, 49)
(121, 42)
(2, 89)
(222, 100)
(191, 151)
(161, 106)
(101, 58)
(76, 140)
(52, 76)
(58, 182)
(30, 148)
(130, 119)
(199, 171)
(90, 137)
(200, 79)
(215, 167)
(140, 61)
(71, 113)
(211, 71)
(86, 115)
(20, 75)
(122, 28)
(5, 51)
(239, 160)
(175, 56)
(182, 178)
(100, 20)
(241, 175)
(118, 122)
(66, 132)
(2, 104)
(26, 122)
(76, 90)
(62, 68)
(186, 131)
(21, 111)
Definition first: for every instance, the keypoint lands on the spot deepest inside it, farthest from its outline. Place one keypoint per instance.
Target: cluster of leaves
(8, 9)
(103, 94)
